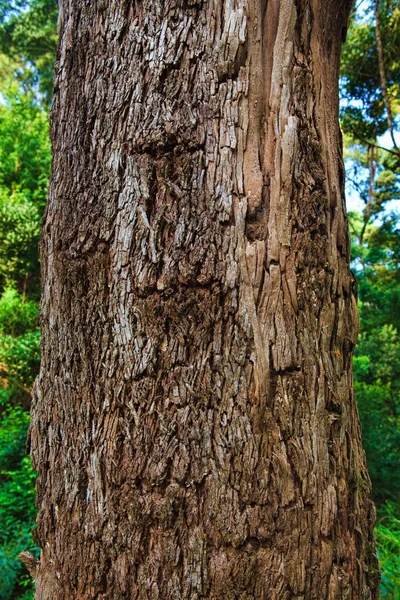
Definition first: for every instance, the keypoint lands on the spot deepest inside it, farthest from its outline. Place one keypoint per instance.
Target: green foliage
(19, 238)
(19, 359)
(27, 40)
(370, 110)
(17, 316)
(28, 34)
(376, 248)
(377, 379)
(388, 539)
(376, 262)
(20, 212)
(17, 503)
(24, 147)
(24, 169)
(19, 347)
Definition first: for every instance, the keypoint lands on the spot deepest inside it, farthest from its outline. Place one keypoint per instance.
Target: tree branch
(364, 140)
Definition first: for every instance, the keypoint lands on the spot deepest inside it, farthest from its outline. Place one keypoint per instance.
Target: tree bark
(194, 426)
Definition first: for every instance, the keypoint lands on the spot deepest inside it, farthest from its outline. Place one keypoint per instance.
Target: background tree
(194, 428)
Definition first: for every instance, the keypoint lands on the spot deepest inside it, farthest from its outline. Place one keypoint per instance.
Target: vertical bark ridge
(194, 427)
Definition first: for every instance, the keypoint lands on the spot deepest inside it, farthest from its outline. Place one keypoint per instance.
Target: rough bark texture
(194, 426)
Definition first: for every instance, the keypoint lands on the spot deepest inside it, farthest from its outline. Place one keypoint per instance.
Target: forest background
(370, 120)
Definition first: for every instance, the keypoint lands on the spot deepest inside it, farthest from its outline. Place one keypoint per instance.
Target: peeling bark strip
(194, 427)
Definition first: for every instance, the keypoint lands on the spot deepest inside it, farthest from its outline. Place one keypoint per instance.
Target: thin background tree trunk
(194, 426)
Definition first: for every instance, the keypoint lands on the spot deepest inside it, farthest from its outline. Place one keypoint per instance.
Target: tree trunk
(194, 426)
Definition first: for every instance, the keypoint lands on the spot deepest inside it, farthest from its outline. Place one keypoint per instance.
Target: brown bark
(194, 426)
